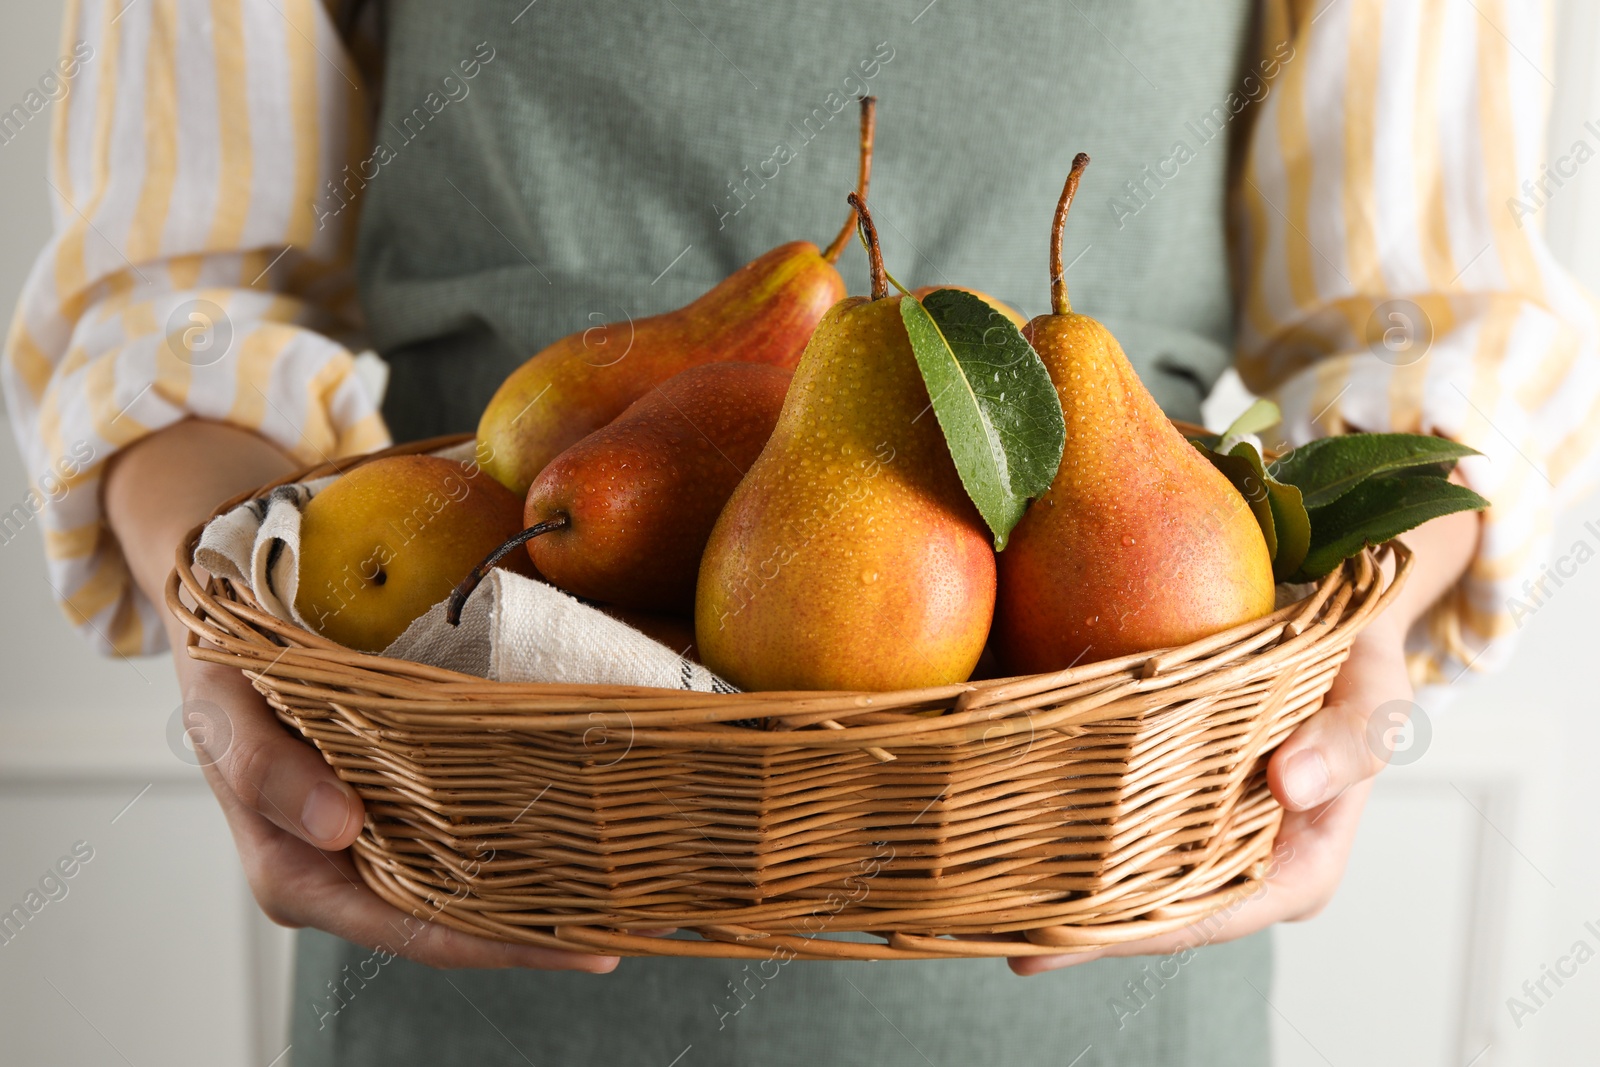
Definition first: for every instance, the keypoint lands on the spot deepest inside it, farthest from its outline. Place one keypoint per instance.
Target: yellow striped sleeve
(187, 274)
(1408, 205)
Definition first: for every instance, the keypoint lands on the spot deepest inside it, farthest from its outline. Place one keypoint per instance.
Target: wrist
(1443, 550)
(158, 489)
(1384, 637)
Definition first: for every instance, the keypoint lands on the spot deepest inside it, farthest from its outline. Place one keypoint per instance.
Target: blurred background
(1477, 868)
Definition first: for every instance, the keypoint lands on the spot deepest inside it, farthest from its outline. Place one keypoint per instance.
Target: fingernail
(540, 960)
(1305, 778)
(325, 813)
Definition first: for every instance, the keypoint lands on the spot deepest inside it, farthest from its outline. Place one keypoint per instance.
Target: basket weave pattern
(1077, 809)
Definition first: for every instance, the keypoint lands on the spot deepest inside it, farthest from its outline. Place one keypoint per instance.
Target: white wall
(1475, 866)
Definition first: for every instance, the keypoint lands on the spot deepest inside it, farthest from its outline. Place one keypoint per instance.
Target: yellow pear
(849, 556)
(390, 539)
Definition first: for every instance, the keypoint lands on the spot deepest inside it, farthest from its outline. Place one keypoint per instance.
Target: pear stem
(459, 595)
(1059, 302)
(869, 236)
(869, 111)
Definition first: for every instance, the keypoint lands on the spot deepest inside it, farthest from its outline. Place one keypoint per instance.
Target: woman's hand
(292, 820)
(1322, 772)
(291, 817)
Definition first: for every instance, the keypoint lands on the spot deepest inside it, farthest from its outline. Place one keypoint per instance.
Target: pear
(639, 497)
(762, 313)
(387, 541)
(1139, 543)
(674, 631)
(850, 556)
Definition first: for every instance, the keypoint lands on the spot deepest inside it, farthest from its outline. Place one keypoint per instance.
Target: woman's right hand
(293, 821)
(291, 817)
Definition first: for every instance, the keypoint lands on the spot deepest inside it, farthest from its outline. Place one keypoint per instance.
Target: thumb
(247, 752)
(1332, 750)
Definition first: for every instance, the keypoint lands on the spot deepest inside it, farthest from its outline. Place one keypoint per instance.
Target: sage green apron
(544, 169)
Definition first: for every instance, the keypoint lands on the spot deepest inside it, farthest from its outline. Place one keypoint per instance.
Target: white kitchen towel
(257, 545)
(513, 629)
(517, 629)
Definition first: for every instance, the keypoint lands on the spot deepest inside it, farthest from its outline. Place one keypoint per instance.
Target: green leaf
(1257, 417)
(1328, 468)
(1290, 522)
(1278, 508)
(993, 399)
(1294, 528)
(1377, 510)
(1430, 470)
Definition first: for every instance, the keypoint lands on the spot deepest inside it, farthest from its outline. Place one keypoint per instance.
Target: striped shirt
(1390, 271)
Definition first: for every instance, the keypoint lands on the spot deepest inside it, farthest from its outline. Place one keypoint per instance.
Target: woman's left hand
(1322, 772)
(1321, 775)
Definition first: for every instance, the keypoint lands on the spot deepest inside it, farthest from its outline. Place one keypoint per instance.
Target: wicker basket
(1100, 804)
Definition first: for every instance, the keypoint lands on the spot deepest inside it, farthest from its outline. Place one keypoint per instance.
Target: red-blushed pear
(674, 631)
(636, 499)
(850, 557)
(390, 539)
(1139, 543)
(764, 312)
